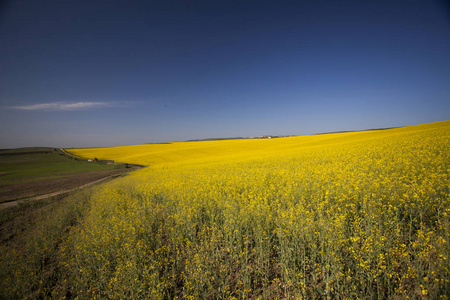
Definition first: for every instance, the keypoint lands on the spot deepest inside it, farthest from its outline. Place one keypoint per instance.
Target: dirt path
(40, 197)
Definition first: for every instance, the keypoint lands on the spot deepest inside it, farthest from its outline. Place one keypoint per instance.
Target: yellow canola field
(228, 150)
(334, 216)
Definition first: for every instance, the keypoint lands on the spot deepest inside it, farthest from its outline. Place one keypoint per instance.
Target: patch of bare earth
(10, 192)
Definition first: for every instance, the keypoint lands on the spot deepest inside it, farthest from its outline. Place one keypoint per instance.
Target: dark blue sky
(104, 73)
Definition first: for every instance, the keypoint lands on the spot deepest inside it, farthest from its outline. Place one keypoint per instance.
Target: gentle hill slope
(208, 151)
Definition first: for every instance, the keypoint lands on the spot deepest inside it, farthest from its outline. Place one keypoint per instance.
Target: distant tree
(95, 159)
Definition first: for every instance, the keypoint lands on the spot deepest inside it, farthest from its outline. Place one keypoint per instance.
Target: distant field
(28, 172)
(237, 150)
(356, 215)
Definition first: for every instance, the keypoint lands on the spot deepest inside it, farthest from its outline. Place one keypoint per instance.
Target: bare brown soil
(11, 192)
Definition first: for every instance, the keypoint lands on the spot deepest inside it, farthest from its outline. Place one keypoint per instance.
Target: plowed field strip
(10, 195)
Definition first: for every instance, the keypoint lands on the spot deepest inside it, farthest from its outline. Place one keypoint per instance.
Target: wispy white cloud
(63, 106)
